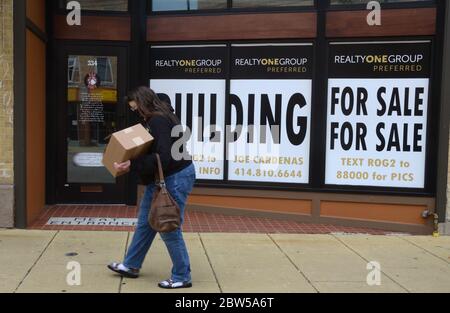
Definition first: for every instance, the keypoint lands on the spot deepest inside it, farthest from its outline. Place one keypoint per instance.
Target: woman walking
(180, 179)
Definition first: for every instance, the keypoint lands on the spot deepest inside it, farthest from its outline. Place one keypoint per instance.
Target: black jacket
(145, 167)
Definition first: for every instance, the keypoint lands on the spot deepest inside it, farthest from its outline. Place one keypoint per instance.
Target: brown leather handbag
(165, 214)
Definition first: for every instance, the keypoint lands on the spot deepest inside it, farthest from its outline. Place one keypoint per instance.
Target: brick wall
(6, 92)
(6, 114)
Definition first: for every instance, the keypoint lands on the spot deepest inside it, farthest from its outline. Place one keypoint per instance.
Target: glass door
(94, 82)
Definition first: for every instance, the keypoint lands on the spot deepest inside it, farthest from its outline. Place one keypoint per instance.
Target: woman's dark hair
(149, 104)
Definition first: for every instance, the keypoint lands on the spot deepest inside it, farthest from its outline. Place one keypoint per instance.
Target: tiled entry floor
(194, 222)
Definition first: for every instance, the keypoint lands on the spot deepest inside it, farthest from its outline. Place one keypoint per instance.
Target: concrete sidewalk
(36, 261)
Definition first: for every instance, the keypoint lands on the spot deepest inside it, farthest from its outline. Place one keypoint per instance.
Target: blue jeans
(179, 185)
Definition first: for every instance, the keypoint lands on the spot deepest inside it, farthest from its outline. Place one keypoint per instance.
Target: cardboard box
(127, 144)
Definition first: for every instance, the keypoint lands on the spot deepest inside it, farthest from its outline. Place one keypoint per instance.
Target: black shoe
(130, 273)
(170, 284)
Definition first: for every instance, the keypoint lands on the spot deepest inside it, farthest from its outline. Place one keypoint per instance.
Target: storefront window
(99, 5)
(270, 3)
(91, 116)
(337, 2)
(187, 5)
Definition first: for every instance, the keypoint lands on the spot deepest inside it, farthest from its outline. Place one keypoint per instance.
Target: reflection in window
(74, 70)
(334, 2)
(186, 5)
(271, 3)
(99, 5)
(104, 70)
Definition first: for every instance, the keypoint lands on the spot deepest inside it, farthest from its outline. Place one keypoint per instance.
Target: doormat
(92, 221)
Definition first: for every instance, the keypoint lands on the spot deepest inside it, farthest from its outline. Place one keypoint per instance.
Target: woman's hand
(122, 167)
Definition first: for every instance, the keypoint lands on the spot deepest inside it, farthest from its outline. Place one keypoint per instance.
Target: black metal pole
(138, 69)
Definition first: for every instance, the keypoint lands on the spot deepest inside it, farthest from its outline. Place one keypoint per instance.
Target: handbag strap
(159, 175)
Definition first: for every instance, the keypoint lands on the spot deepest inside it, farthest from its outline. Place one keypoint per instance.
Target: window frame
(304, 8)
(230, 10)
(76, 67)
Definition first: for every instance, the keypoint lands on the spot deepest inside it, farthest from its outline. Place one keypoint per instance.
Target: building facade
(344, 109)
(6, 115)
